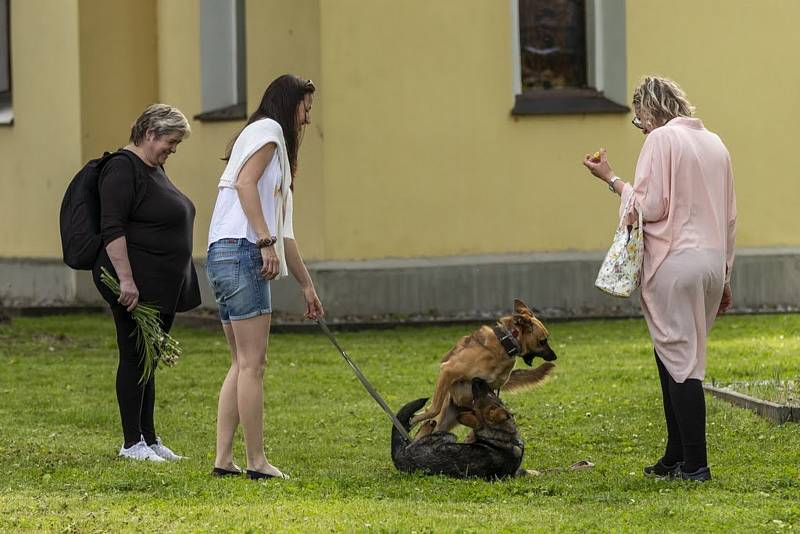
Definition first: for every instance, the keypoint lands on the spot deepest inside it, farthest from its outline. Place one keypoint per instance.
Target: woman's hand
(271, 264)
(727, 299)
(313, 305)
(128, 293)
(600, 168)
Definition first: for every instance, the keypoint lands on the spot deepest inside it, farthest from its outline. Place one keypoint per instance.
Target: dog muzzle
(546, 354)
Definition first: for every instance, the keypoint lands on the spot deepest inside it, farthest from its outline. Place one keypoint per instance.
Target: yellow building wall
(737, 60)
(422, 157)
(82, 72)
(419, 126)
(41, 150)
(118, 70)
(281, 37)
(284, 37)
(412, 151)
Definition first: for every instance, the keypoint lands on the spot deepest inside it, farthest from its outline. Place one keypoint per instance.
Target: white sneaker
(140, 451)
(164, 452)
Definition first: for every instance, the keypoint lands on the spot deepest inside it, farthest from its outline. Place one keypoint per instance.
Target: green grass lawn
(60, 432)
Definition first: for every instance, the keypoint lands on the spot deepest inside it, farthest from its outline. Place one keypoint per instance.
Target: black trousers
(685, 414)
(136, 400)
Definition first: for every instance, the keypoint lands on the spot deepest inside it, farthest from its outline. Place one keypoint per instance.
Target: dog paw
(414, 420)
(426, 429)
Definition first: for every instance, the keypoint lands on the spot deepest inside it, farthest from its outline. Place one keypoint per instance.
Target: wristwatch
(611, 183)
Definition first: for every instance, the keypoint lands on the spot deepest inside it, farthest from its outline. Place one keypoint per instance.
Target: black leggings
(685, 413)
(136, 401)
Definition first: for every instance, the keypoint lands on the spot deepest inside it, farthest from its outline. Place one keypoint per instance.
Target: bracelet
(611, 183)
(266, 242)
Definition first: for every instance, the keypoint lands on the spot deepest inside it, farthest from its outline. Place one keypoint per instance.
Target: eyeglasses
(637, 122)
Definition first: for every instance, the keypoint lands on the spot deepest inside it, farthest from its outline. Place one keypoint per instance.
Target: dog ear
(468, 418)
(521, 308)
(524, 321)
(497, 415)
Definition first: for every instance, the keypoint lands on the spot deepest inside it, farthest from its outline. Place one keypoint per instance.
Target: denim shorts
(234, 272)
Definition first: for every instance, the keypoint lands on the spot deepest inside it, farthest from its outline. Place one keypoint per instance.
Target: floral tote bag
(621, 272)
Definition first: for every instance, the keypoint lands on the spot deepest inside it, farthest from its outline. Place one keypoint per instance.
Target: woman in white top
(251, 241)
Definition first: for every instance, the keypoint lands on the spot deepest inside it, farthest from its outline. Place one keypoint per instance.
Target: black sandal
(220, 472)
(256, 475)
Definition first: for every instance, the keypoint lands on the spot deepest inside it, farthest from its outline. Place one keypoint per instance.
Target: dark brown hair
(279, 103)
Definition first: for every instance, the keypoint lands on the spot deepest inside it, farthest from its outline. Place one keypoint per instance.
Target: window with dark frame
(5, 55)
(223, 60)
(552, 36)
(555, 75)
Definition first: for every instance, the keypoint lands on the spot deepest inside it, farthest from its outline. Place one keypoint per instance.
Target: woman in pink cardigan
(684, 189)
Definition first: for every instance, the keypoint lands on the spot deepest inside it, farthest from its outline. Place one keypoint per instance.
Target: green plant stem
(151, 341)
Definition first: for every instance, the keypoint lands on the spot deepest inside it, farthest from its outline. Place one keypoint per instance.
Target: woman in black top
(146, 223)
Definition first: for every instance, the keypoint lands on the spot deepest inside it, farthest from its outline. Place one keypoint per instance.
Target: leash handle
(363, 379)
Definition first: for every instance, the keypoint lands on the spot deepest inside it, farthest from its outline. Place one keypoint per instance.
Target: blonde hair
(659, 100)
(162, 119)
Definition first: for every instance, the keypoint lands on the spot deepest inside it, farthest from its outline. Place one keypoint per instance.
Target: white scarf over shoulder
(253, 137)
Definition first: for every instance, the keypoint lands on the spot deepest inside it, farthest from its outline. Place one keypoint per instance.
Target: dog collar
(509, 342)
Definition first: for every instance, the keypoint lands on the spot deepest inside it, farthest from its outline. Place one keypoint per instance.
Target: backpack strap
(140, 182)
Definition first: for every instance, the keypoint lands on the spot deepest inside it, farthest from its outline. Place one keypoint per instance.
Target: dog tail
(404, 415)
(521, 379)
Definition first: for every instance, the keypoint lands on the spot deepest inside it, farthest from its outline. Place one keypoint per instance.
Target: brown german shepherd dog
(492, 450)
(490, 354)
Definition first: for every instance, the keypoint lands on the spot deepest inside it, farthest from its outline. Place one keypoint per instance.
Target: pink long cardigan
(684, 188)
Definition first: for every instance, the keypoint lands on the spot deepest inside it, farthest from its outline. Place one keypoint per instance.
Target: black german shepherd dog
(493, 449)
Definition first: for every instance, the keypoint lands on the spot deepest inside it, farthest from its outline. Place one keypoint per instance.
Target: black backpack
(80, 213)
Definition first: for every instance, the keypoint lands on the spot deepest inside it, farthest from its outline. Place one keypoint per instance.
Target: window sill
(6, 116)
(6, 111)
(235, 112)
(565, 102)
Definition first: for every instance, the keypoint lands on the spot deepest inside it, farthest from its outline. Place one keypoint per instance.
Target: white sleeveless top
(229, 220)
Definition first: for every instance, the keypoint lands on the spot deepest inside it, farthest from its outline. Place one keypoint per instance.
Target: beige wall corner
(118, 70)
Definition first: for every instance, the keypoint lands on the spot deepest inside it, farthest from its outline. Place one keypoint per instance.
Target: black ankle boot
(660, 470)
(701, 475)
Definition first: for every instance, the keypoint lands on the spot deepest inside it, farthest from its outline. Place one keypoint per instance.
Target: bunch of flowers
(153, 343)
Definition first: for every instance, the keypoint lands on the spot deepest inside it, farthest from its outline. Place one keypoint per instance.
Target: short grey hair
(162, 119)
(660, 99)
